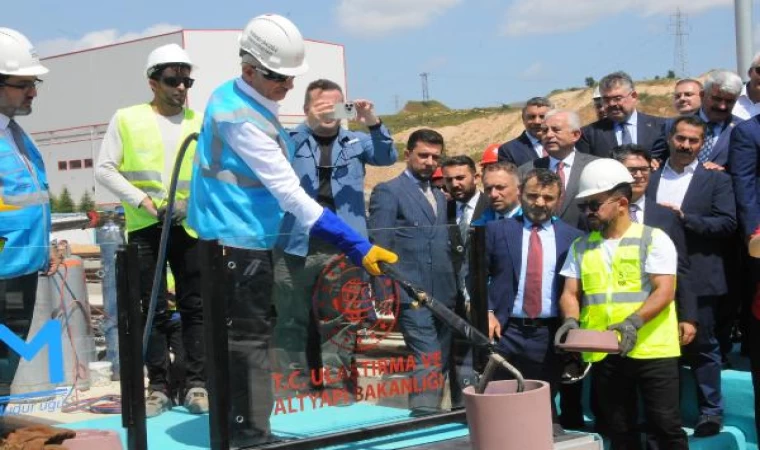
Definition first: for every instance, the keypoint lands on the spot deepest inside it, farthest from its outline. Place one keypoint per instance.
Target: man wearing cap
(490, 155)
(24, 197)
(527, 147)
(136, 160)
(596, 98)
(622, 277)
(243, 183)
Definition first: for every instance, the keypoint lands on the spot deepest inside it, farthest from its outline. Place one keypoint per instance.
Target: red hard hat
(438, 174)
(490, 155)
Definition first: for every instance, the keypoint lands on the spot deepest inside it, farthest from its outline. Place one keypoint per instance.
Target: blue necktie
(625, 135)
(704, 153)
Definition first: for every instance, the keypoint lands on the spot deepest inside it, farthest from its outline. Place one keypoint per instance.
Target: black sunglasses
(593, 205)
(272, 76)
(24, 86)
(176, 81)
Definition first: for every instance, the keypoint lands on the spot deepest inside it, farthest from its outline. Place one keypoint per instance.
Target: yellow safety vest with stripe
(143, 161)
(611, 296)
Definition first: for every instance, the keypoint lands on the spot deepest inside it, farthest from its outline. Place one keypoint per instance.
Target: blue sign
(50, 335)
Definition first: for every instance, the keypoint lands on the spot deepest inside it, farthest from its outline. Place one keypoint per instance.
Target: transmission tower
(425, 91)
(679, 24)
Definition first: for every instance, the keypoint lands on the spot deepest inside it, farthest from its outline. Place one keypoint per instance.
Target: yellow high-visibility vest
(143, 161)
(611, 296)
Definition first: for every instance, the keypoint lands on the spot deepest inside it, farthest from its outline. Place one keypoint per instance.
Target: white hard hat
(17, 55)
(276, 43)
(597, 94)
(602, 175)
(167, 54)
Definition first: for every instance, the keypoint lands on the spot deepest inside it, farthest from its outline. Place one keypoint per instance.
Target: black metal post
(479, 292)
(130, 347)
(215, 336)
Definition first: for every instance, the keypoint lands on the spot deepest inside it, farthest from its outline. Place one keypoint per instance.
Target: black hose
(460, 325)
(161, 258)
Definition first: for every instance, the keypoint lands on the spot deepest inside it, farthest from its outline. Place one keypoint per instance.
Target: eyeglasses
(642, 169)
(176, 81)
(678, 95)
(24, 86)
(594, 205)
(756, 69)
(616, 99)
(273, 76)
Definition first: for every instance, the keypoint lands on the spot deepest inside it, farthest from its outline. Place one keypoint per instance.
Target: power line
(425, 91)
(679, 24)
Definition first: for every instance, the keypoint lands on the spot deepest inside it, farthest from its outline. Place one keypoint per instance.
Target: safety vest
(611, 296)
(23, 183)
(143, 161)
(229, 202)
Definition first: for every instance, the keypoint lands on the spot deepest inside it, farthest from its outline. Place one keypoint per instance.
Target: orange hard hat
(438, 174)
(490, 155)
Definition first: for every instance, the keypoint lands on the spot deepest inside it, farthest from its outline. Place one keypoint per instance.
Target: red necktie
(561, 174)
(534, 271)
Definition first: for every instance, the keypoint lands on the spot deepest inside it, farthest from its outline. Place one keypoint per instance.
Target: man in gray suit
(560, 133)
(409, 217)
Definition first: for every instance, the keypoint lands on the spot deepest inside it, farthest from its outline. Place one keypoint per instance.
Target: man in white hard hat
(24, 198)
(242, 185)
(598, 104)
(622, 277)
(136, 161)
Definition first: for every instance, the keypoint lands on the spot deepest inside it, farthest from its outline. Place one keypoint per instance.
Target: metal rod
(743, 17)
(215, 339)
(369, 432)
(478, 272)
(130, 355)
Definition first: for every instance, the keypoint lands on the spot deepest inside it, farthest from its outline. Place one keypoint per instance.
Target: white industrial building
(84, 89)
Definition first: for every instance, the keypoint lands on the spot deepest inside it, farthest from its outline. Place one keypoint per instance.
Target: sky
(477, 52)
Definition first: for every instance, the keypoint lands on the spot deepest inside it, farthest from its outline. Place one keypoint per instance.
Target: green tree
(590, 82)
(86, 203)
(671, 75)
(65, 203)
(53, 202)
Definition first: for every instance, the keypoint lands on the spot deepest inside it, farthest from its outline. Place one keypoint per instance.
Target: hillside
(470, 131)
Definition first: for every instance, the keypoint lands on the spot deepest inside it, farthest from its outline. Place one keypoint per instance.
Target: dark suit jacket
(744, 167)
(709, 221)
(457, 244)
(402, 220)
(518, 151)
(719, 154)
(661, 217)
(599, 139)
(568, 210)
(504, 259)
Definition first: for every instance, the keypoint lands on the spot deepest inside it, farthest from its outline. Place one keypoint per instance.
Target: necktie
(704, 153)
(561, 174)
(533, 273)
(625, 136)
(425, 186)
(632, 209)
(464, 221)
(18, 136)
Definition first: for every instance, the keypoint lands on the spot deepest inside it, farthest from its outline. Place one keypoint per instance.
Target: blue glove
(358, 249)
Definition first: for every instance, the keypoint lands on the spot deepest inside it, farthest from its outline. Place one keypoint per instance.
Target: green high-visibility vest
(143, 161)
(611, 296)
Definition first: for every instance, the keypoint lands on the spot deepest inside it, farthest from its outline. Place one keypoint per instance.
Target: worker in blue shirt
(242, 184)
(24, 198)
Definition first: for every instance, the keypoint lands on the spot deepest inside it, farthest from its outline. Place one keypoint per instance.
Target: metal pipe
(744, 44)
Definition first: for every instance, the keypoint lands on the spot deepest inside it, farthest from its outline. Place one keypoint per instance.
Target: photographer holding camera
(329, 161)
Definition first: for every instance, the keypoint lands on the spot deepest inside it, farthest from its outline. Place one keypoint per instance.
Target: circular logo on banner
(354, 312)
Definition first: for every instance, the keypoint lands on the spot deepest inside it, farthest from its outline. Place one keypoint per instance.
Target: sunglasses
(272, 76)
(593, 205)
(176, 81)
(24, 86)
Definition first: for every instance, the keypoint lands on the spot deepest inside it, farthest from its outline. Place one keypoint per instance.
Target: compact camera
(344, 111)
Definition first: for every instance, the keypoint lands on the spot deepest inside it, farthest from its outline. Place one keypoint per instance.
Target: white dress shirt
(549, 262)
(538, 147)
(569, 161)
(673, 185)
(6, 132)
(632, 123)
(745, 108)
